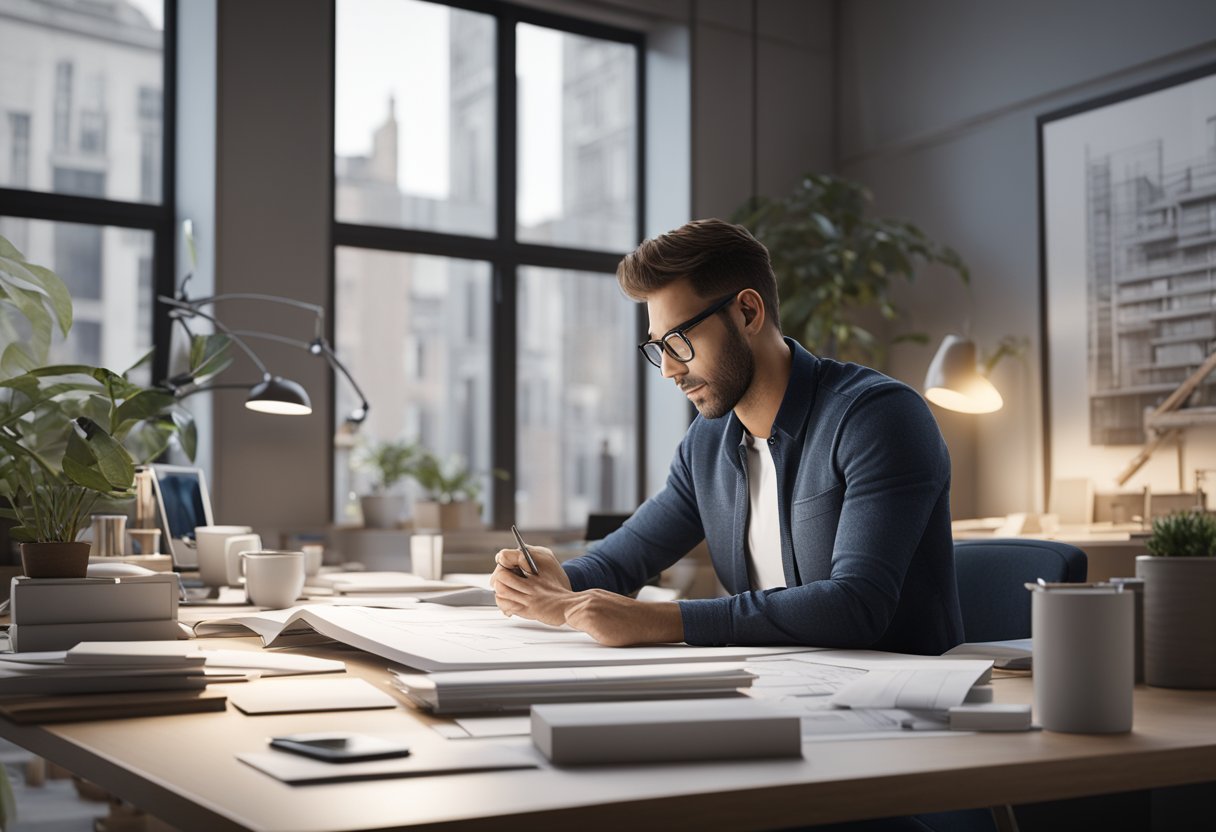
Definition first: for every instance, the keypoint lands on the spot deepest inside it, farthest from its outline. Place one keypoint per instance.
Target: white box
(27, 638)
(664, 731)
(79, 600)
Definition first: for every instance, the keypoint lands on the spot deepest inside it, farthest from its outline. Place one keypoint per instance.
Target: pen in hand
(523, 547)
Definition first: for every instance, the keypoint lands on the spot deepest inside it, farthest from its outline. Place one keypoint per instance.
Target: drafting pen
(523, 547)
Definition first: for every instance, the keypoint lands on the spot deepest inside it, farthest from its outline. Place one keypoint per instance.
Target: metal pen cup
(109, 532)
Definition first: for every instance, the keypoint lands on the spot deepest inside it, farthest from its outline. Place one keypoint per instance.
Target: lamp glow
(955, 382)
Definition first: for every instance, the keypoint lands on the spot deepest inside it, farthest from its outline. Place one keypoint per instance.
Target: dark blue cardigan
(864, 500)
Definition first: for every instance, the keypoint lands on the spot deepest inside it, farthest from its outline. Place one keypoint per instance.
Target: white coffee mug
(314, 555)
(212, 567)
(426, 556)
(273, 579)
(233, 547)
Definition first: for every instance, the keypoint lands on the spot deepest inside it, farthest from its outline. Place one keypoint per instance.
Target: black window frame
(159, 219)
(503, 251)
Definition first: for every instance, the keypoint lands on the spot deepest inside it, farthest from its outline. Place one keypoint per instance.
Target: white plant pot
(1179, 621)
(382, 511)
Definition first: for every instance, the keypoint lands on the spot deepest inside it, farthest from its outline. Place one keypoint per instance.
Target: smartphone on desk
(341, 747)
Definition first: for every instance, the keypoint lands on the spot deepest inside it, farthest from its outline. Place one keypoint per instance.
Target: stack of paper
(378, 582)
(473, 691)
(31, 673)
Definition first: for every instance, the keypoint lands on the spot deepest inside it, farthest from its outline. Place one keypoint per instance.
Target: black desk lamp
(273, 394)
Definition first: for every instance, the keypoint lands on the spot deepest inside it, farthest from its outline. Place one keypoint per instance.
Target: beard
(731, 380)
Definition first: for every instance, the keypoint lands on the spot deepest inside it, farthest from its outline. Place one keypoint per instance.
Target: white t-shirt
(764, 566)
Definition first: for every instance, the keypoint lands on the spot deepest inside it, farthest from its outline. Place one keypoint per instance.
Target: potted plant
(451, 494)
(71, 434)
(389, 463)
(1180, 601)
(833, 263)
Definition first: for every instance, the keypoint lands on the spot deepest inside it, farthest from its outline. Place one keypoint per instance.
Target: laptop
(183, 503)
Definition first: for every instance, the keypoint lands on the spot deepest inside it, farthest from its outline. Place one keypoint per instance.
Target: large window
(486, 183)
(85, 161)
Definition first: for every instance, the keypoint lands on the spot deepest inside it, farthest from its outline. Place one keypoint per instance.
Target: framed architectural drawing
(1127, 190)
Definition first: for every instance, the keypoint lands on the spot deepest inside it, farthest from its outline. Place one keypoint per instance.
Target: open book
(432, 637)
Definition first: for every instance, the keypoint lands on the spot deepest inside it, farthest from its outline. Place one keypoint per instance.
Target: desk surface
(182, 769)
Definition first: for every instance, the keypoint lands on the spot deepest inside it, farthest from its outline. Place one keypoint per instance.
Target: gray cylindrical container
(1084, 659)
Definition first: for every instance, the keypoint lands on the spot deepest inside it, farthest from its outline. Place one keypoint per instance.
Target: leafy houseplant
(71, 434)
(389, 462)
(833, 262)
(452, 490)
(1179, 576)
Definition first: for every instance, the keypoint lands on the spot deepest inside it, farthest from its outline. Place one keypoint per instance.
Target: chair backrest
(600, 526)
(991, 582)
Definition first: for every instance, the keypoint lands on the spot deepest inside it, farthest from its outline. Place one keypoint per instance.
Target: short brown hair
(716, 257)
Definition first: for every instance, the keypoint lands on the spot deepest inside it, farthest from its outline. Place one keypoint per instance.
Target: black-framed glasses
(675, 341)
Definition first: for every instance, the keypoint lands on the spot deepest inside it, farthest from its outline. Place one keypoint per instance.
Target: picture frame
(1127, 248)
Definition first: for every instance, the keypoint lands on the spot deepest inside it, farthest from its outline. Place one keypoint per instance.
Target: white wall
(938, 101)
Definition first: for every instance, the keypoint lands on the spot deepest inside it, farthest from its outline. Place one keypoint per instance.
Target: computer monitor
(183, 503)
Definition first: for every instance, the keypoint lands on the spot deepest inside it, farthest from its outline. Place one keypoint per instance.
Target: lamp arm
(333, 361)
(318, 311)
(207, 388)
(191, 309)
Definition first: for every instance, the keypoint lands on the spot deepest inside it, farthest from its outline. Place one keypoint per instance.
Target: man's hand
(543, 597)
(618, 621)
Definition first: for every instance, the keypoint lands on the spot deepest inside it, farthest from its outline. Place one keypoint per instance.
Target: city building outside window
(83, 190)
(487, 170)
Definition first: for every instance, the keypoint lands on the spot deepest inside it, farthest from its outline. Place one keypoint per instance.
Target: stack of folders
(480, 691)
(58, 613)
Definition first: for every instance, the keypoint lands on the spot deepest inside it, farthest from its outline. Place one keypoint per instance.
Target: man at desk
(821, 488)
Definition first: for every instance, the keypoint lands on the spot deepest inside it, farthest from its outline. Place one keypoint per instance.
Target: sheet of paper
(926, 688)
(301, 695)
(433, 637)
(380, 582)
(480, 727)
(425, 760)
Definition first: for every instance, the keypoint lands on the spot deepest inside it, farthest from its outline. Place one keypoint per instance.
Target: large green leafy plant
(836, 266)
(71, 434)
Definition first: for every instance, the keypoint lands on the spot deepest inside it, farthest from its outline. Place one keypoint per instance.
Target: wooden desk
(182, 769)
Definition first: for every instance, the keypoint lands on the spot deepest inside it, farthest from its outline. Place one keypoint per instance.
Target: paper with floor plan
(432, 637)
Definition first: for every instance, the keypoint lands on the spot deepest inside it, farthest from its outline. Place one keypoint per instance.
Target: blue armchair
(991, 575)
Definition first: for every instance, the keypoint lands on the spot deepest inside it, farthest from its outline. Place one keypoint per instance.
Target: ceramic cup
(426, 556)
(212, 567)
(314, 555)
(273, 579)
(233, 546)
(144, 541)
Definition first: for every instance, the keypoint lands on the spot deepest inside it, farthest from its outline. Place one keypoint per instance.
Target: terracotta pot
(431, 515)
(55, 560)
(1179, 621)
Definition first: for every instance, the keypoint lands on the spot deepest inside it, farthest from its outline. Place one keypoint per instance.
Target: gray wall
(938, 101)
(272, 211)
